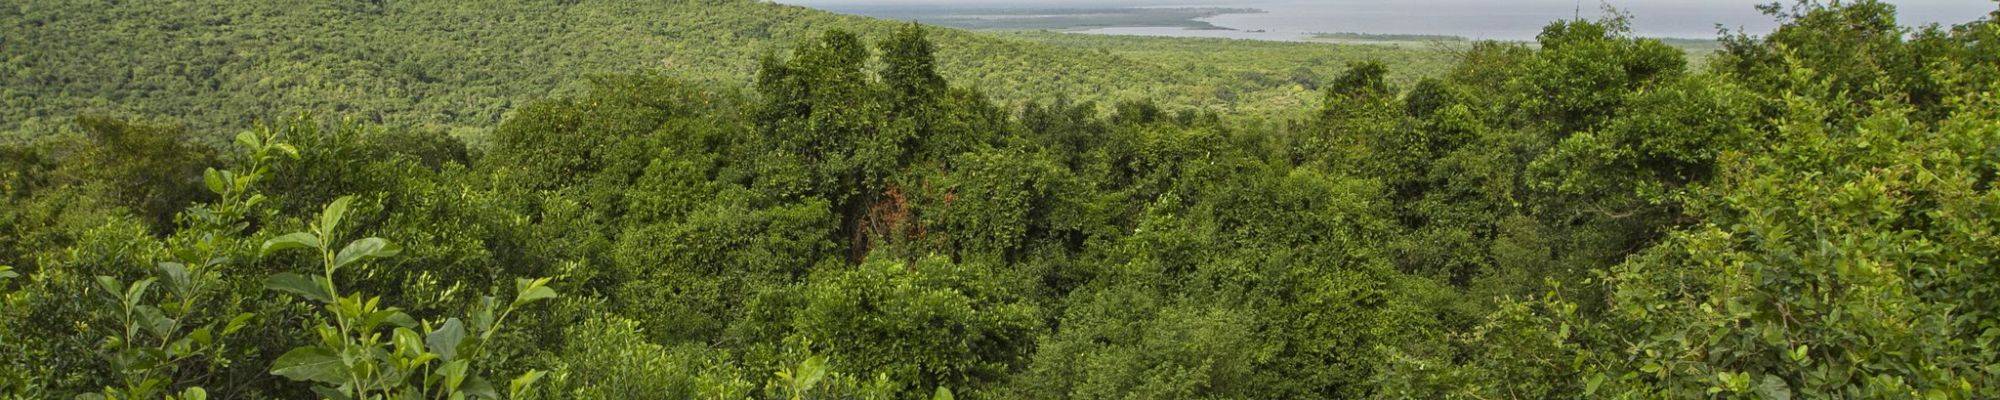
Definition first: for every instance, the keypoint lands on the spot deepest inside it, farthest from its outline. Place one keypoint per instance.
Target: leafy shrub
(353, 359)
(923, 325)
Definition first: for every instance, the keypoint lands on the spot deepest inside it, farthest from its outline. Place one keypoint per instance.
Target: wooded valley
(404, 200)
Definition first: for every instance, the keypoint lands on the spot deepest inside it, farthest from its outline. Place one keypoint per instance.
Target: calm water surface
(1513, 20)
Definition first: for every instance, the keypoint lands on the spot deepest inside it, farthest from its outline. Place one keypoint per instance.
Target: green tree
(923, 325)
(909, 68)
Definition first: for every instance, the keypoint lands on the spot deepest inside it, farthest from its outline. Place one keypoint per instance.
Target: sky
(1039, 3)
(1484, 19)
(1088, 3)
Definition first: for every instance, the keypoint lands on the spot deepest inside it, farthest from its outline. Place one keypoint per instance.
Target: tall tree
(909, 68)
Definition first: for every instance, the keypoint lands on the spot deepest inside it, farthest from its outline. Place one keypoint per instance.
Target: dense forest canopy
(1053, 17)
(460, 66)
(1813, 215)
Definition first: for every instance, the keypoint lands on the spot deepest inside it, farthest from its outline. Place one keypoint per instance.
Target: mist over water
(1521, 20)
(1477, 19)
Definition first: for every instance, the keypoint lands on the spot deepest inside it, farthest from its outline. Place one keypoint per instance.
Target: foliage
(354, 360)
(155, 338)
(853, 217)
(220, 66)
(928, 324)
(1066, 18)
(151, 168)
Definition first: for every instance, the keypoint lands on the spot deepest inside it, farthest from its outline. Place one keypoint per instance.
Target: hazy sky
(1987, 4)
(1973, 8)
(1487, 19)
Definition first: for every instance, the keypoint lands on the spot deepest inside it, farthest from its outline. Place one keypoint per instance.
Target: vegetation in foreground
(1812, 216)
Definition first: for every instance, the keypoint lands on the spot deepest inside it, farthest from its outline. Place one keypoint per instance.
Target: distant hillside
(1056, 18)
(458, 64)
(1254, 76)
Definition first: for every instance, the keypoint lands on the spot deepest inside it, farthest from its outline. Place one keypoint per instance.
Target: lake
(1508, 20)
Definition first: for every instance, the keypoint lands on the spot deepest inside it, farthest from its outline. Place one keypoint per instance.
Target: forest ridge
(460, 66)
(1811, 215)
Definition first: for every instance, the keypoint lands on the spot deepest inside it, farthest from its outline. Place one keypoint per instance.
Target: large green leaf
(531, 290)
(249, 140)
(213, 179)
(477, 387)
(294, 240)
(397, 318)
(112, 287)
(310, 287)
(310, 364)
(153, 321)
(365, 249)
(445, 340)
(329, 220)
(811, 371)
(238, 322)
(538, 293)
(331, 393)
(137, 292)
(408, 340)
(177, 276)
(520, 385)
(1774, 388)
(288, 149)
(453, 373)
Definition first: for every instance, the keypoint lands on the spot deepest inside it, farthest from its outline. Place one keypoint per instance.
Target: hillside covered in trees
(1812, 215)
(461, 65)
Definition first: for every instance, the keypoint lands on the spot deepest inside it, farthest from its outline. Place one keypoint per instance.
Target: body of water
(1512, 20)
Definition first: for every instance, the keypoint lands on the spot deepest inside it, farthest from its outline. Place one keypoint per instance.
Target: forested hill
(455, 64)
(1815, 214)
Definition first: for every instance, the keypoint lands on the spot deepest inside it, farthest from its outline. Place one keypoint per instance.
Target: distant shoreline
(1169, 21)
(1202, 20)
(1387, 36)
(1052, 18)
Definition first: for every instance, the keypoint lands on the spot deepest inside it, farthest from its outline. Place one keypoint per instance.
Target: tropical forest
(740, 199)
